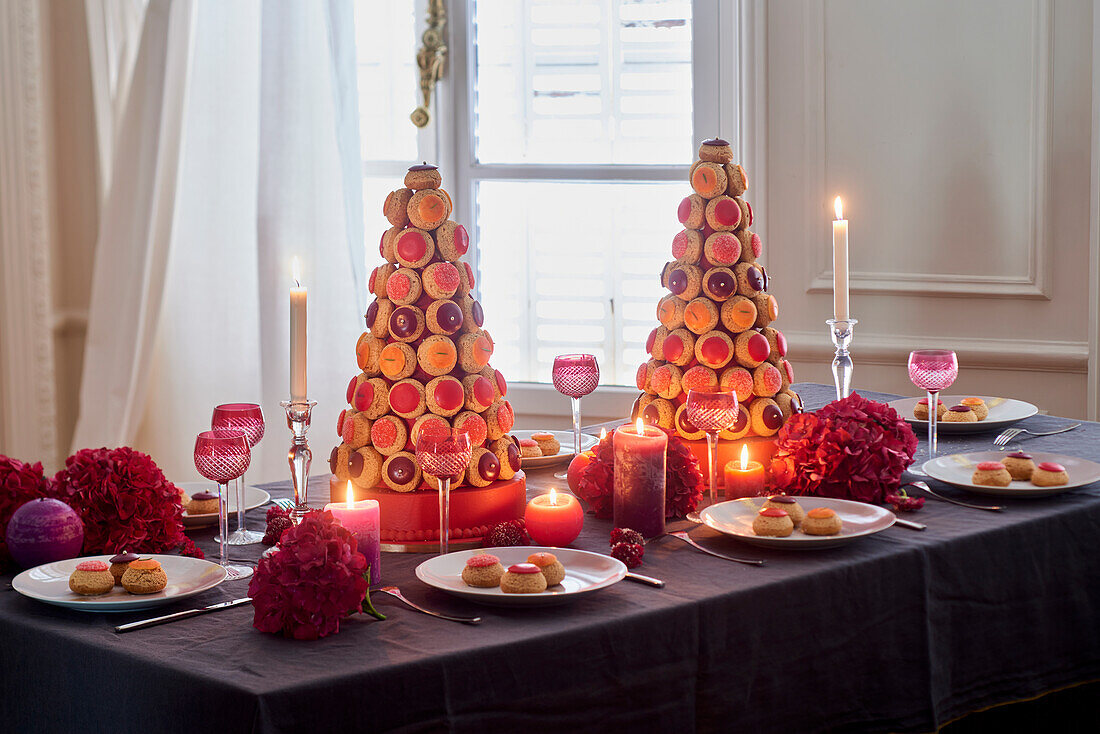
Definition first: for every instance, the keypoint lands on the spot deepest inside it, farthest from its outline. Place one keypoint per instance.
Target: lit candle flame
(838, 206)
(744, 457)
(553, 496)
(639, 427)
(296, 272)
(351, 498)
(603, 433)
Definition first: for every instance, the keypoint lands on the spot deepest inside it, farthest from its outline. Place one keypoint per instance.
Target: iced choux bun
(773, 522)
(960, 414)
(482, 571)
(991, 474)
(789, 505)
(822, 521)
(1049, 474)
(708, 179)
(716, 150)
(1019, 465)
(423, 176)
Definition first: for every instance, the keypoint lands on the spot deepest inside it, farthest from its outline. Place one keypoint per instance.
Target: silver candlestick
(299, 456)
(842, 363)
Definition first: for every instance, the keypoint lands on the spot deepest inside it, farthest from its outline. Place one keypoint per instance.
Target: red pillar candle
(639, 500)
(744, 478)
(554, 519)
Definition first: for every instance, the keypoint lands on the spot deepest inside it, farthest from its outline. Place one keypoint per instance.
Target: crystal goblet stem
(712, 456)
(444, 515)
(241, 529)
(223, 524)
(933, 422)
(564, 474)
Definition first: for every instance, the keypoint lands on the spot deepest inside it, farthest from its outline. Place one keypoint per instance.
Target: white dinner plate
(565, 438)
(859, 519)
(49, 583)
(585, 573)
(1003, 412)
(253, 497)
(957, 469)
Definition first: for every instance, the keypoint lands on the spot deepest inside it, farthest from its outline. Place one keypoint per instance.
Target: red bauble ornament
(43, 531)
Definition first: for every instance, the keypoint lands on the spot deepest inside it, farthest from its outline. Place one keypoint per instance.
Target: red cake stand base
(760, 449)
(410, 520)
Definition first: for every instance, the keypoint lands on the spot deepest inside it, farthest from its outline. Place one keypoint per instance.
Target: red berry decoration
(505, 534)
(900, 501)
(626, 535)
(629, 553)
(275, 511)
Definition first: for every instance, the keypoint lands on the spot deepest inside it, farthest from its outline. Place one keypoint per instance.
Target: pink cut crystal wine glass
(222, 456)
(249, 418)
(932, 370)
(711, 412)
(575, 375)
(443, 454)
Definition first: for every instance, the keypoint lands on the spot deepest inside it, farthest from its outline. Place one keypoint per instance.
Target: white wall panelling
(963, 129)
(953, 131)
(1094, 227)
(27, 414)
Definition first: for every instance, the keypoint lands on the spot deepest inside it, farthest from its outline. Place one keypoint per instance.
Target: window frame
(716, 93)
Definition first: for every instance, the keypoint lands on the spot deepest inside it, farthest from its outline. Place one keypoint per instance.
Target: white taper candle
(840, 263)
(297, 337)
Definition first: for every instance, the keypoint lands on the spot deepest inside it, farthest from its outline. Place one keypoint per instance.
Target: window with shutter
(565, 137)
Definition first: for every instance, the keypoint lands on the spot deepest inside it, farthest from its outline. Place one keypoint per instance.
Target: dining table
(904, 630)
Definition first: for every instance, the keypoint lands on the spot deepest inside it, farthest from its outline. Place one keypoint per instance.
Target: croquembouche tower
(716, 322)
(424, 361)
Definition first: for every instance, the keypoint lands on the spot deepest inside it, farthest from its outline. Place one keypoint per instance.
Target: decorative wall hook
(431, 59)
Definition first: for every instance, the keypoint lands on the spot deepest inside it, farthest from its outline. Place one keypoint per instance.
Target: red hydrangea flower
(191, 550)
(851, 449)
(19, 483)
(311, 582)
(683, 478)
(124, 499)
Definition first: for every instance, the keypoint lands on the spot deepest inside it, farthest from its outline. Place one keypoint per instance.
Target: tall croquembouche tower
(716, 324)
(424, 361)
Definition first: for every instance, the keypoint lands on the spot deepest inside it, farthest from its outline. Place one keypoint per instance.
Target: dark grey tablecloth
(901, 631)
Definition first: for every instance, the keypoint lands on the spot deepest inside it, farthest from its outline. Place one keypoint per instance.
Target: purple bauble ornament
(43, 531)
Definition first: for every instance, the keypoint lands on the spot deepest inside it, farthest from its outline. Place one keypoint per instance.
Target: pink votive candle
(362, 520)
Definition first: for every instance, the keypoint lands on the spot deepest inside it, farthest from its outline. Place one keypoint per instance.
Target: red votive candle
(554, 519)
(744, 478)
(639, 501)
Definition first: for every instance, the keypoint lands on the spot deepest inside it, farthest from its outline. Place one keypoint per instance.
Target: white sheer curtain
(261, 168)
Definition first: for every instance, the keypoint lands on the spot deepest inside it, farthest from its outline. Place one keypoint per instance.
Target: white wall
(959, 135)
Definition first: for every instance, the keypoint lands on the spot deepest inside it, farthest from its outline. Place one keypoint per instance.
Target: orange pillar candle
(554, 519)
(744, 478)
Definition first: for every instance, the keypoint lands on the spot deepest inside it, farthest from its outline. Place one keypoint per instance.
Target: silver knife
(648, 580)
(130, 626)
(910, 524)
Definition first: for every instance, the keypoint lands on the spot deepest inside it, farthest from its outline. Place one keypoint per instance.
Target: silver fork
(396, 593)
(1010, 433)
(929, 490)
(688, 539)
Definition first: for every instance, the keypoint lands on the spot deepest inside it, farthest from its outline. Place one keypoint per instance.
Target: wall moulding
(1031, 279)
(977, 353)
(28, 414)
